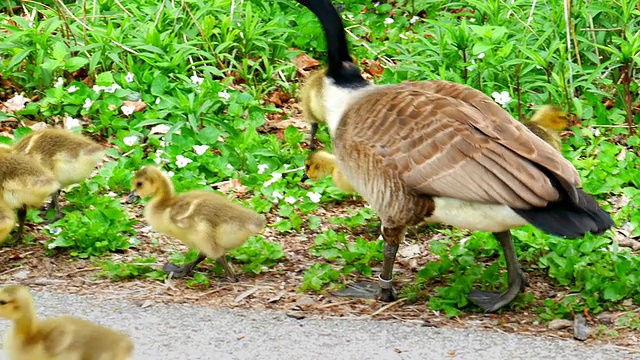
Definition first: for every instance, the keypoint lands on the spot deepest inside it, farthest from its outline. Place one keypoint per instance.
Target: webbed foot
(368, 290)
(491, 301)
(176, 271)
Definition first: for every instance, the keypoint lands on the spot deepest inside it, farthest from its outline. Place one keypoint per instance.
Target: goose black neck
(340, 66)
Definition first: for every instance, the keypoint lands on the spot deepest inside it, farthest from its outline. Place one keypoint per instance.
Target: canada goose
(24, 183)
(56, 338)
(546, 122)
(320, 164)
(202, 220)
(437, 151)
(71, 157)
(7, 220)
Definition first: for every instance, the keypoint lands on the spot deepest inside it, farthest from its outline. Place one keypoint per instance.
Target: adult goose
(437, 151)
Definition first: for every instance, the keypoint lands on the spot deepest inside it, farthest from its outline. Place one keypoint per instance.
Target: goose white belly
(474, 216)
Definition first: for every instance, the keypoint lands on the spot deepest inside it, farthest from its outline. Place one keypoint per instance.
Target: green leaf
(158, 85)
(75, 63)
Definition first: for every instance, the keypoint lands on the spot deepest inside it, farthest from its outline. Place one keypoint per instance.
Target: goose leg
(22, 216)
(55, 205)
(384, 290)
(490, 300)
(182, 271)
(231, 275)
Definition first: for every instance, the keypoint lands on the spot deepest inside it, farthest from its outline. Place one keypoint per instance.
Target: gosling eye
(307, 167)
(2, 302)
(139, 184)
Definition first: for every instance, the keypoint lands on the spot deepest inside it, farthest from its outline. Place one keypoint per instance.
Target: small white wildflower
(200, 149)
(72, 88)
(171, 173)
(127, 109)
(502, 98)
(59, 82)
(314, 196)
(130, 140)
(539, 67)
(182, 161)
(286, 166)
(224, 94)
(111, 194)
(481, 56)
(112, 88)
(472, 19)
(132, 240)
(87, 103)
(54, 231)
(98, 88)
(262, 168)
(388, 21)
(51, 246)
(472, 68)
(157, 100)
(276, 194)
(403, 36)
(290, 200)
(414, 19)
(376, 4)
(70, 123)
(274, 177)
(229, 166)
(129, 77)
(160, 129)
(196, 79)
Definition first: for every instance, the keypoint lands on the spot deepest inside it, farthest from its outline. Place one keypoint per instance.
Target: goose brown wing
(445, 139)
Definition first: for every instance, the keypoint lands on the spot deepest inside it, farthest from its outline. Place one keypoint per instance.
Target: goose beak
(132, 196)
(312, 140)
(304, 177)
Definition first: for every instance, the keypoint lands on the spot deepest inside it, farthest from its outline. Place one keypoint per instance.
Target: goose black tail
(571, 218)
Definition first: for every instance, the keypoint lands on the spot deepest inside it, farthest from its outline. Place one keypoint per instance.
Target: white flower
(262, 168)
(502, 98)
(224, 94)
(51, 245)
(127, 110)
(160, 129)
(129, 77)
(157, 100)
(539, 67)
(274, 177)
(276, 194)
(196, 80)
(414, 19)
(130, 140)
(290, 200)
(132, 240)
(388, 21)
(229, 166)
(112, 88)
(314, 196)
(98, 88)
(200, 149)
(111, 194)
(182, 161)
(87, 103)
(171, 173)
(72, 88)
(70, 123)
(471, 68)
(158, 159)
(54, 231)
(481, 56)
(403, 36)
(58, 83)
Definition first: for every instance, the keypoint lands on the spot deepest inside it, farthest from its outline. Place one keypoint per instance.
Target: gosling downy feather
(69, 156)
(56, 338)
(547, 122)
(320, 164)
(202, 220)
(7, 220)
(437, 151)
(24, 183)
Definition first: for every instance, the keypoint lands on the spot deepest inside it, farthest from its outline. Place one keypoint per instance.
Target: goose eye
(2, 302)
(139, 184)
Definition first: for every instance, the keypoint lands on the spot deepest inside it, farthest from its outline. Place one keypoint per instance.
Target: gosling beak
(312, 140)
(132, 196)
(304, 177)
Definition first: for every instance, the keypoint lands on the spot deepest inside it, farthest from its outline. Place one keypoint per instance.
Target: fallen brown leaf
(137, 105)
(304, 62)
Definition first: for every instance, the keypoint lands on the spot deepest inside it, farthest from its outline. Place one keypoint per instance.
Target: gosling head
(14, 299)
(147, 182)
(318, 165)
(551, 117)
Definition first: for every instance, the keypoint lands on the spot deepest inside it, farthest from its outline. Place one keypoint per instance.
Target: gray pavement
(198, 333)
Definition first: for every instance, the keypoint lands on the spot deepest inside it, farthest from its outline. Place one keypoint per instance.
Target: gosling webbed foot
(491, 301)
(176, 271)
(368, 290)
(231, 275)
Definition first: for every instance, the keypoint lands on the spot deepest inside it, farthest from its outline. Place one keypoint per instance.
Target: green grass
(205, 70)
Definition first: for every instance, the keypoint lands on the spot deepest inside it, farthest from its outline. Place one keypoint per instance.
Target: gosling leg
(384, 290)
(55, 204)
(182, 271)
(491, 301)
(231, 275)
(22, 216)
(312, 140)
